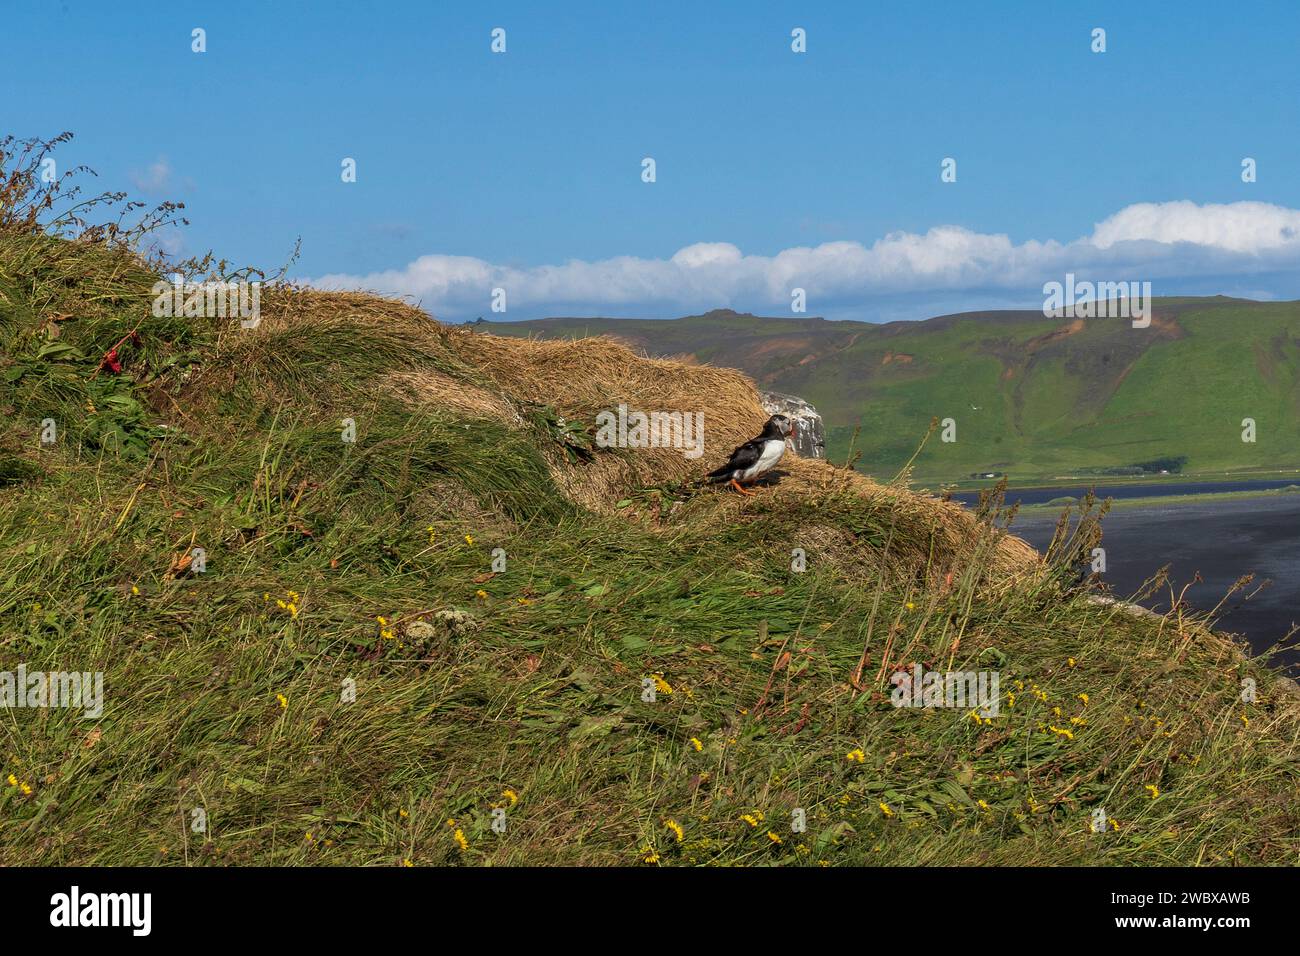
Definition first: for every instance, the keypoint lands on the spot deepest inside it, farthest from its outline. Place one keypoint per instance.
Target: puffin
(757, 456)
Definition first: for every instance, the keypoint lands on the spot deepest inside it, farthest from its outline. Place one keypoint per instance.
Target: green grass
(226, 691)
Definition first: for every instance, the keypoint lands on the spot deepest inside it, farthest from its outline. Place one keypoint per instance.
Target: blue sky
(775, 170)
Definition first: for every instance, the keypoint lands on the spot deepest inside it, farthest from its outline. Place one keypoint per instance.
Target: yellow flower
(1061, 732)
(855, 756)
(382, 620)
(134, 589)
(459, 837)
(432, 533)
(1155, 791)
(662, 685)
(481, 594)
(13, 781)
(910, 606)
(650, 856)
(469, 539)
(695, 742)
(26, 789)
(884, 808)
(284, 701)
(309, 836)
(1070, 661)
(984, 806)
(407, 862)
(1084, 698)
(510, 795)
(751, 820)
(403, 814)
(773, 837)
(676, 828)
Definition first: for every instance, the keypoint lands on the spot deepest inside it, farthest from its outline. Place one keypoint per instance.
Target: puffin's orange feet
(739, 487)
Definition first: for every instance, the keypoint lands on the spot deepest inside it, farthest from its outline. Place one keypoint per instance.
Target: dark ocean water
(1221, 540)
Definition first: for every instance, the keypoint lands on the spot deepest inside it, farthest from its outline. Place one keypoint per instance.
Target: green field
(1031, 397)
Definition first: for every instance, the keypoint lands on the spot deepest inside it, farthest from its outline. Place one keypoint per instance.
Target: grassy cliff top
(462, 610)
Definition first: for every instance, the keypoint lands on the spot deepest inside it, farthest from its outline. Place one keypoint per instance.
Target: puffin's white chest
(773, 449)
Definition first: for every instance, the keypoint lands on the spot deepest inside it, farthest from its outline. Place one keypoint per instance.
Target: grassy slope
(1107, 395)
(218, 697)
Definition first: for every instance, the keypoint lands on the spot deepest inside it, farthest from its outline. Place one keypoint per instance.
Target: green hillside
(434, 625)
(1031, 397)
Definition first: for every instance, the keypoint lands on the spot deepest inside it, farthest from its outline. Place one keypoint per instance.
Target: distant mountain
(1030, 396)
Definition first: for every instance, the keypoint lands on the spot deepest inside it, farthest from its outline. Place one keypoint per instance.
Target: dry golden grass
(469, 372)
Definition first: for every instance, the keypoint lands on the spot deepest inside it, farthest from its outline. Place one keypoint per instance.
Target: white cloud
(1176, 245)
(159, 179)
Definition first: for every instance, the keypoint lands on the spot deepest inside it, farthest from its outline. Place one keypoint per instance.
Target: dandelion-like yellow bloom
(855, 756)
(134, 589)
(284, 701)
(459, 837)
(695, 742)
(26, 789)
(983, 805)
(751, 820)
(676, 829)
(1155, 791)
(1060, 731)
(1070, 661)
(1084, 698)
(885, 809)
(510, 795)
(402, 813)
(13, 781)
(650, 856)
(774, 838)
(407, 862)
(469, 539)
